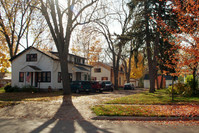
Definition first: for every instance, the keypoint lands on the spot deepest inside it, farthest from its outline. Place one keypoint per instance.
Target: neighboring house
(103, 71)
(5, 78)
(42, 69)
(134, 82)
(167, 80)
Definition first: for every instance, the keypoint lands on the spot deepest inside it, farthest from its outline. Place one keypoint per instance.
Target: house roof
(51, 54)
(105, 65)
(30, 68)
(34, 67)
(167, 77)
(80, 69)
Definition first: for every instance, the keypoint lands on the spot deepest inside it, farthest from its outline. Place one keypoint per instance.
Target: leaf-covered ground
(159, 97)
(148, 110)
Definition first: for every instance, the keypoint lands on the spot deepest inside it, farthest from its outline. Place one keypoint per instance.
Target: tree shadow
(68, 119)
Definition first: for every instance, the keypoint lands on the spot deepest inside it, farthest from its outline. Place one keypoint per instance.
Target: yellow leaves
(4, 55)
(137, 72)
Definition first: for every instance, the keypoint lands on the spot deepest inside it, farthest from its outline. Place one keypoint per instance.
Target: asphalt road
(83, 126)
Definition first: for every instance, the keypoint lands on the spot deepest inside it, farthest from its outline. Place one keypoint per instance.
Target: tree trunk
(149, 54)
(161, 83)
(172, 91)
(116, 79)
(64, 74)
(157, 82)
(194, 81)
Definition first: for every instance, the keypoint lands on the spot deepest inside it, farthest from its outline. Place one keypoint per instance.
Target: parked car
(96, 87)
(80, 86)
(106, 86)
(128, 86)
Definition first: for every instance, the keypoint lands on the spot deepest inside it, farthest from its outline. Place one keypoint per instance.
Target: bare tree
(62, 19)
(15, 20)
(116, 41)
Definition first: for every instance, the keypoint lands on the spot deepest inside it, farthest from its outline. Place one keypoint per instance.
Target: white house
(42, 69)
(167, 80)
(101, 71)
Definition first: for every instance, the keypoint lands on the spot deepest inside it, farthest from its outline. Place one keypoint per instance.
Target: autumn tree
(87, 43)
(16, 17)
(137, 67)
(187, 36)
(136, 45)
(62, 19)
(4, 56)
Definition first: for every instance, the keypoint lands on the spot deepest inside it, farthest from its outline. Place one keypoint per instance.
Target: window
(31, 57)
(94, 78)
(39, 77)
(83, 61)
(70, 76)
(77, 60)
(21, 76)
(104, 78)
(59, 77)
(44, 76)
(97, 70)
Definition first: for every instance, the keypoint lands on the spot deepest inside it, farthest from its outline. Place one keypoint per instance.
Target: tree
(87, 43)
(131, 50)
(15, 20)
(137, 69)
(187, 16)
(116, 41)
(62, 20)
(4, 57)
(186, 36)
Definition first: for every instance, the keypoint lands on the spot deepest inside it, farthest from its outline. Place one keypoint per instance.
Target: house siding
(43, 62)
(104, 73)
(46, 64)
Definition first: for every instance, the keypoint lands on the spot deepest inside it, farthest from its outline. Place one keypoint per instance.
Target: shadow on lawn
(68, 119)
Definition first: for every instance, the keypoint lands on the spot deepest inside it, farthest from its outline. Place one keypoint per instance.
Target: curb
(137, 118)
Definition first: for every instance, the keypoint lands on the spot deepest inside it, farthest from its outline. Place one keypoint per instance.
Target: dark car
(128, 86)
(80, 86)
(106, 86)
(96, 87)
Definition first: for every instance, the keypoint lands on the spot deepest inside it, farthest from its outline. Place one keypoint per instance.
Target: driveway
(57, 109)
(66, 117)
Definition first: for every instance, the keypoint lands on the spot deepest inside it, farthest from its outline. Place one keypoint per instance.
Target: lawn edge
(141, 118)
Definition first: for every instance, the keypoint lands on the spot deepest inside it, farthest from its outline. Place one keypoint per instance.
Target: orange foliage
(4, 55)
(187, 34)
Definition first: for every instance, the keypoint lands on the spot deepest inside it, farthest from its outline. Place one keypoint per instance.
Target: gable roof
(105, 65)
(167, 77)
(52, 56)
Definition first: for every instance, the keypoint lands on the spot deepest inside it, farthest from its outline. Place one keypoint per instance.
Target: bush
(29, 88)
(8, 88)
(189, 81)
(180, 89)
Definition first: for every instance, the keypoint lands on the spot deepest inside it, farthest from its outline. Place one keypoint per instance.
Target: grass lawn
(159, 97)
(2, 90)
(147, 110)
(149, 104)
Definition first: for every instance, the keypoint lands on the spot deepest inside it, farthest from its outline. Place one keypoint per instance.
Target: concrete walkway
(76, 126)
